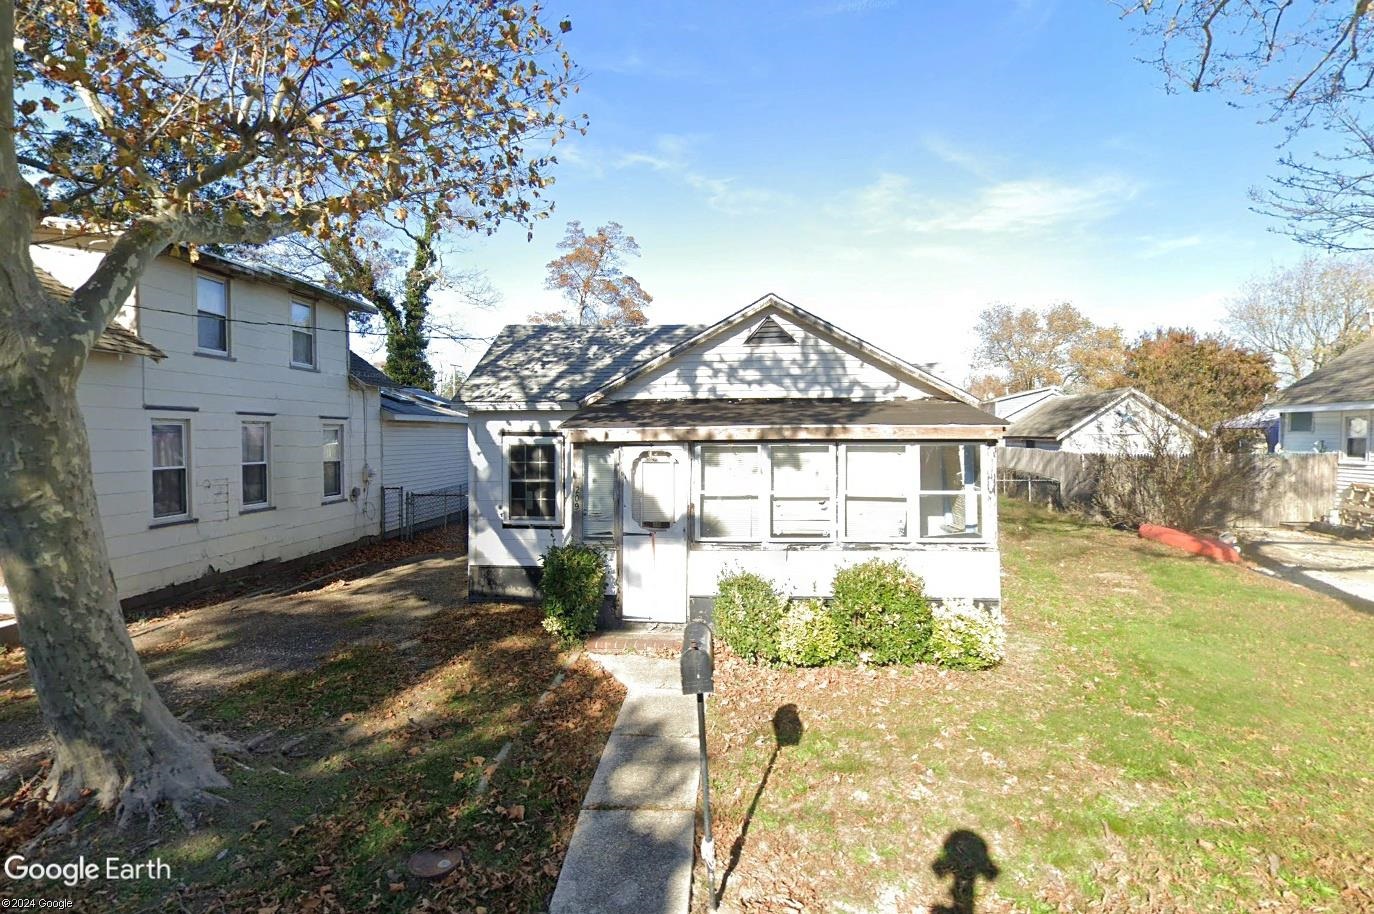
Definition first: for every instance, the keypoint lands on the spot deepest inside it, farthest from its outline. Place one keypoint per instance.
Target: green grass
(1167, 734)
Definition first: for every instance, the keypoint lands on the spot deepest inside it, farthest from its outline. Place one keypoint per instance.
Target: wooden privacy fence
(1293, 488)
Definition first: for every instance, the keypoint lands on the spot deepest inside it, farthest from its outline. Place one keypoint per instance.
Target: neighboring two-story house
(225, 426)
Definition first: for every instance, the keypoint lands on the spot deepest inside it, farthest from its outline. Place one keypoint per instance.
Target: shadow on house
(787, 731)
(963, 856)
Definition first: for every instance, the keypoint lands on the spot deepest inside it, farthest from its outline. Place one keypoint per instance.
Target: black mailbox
(698, 668)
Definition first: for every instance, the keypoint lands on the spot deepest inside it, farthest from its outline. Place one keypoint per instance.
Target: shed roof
(1348, 378)
(547, 363)
(116, 339)
(1057, 416)
(363, 370)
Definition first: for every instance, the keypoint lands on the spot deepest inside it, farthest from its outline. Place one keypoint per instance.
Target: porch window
(1357, 437)
(532, 480)
(950, 494)
(875, 500)
(730, 477)
(598, 491)
(803, 492)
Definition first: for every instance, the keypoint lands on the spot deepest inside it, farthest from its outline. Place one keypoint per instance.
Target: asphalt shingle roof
(551, 363)
(363, 370)
(789, 412)
(1348, 378)
(115, 339)
(1055, 416)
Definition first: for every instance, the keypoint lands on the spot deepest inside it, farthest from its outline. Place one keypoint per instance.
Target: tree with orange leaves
(592, 278)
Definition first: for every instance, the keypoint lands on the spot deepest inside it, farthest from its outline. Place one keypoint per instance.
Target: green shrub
(881, 613)
(574, 587)
(807, 634)
(747, 612)
(966, 636)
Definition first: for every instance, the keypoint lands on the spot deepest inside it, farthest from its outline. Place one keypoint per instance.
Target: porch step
(636, 641)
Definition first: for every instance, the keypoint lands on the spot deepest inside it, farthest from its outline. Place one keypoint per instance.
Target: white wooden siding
(115, 390)
(725, 367)
(1109, 433)
(425, 456)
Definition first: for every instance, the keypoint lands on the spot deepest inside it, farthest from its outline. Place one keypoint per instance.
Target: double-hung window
(598, 491)
(212, 314)
(302, 335)
(877, 492)
(532, 480)
(332, 454)
(950, 494)
(171, 483)
(803, 491)
(1300, 422)
(255, 448)
(730, 493)
(1357, 437)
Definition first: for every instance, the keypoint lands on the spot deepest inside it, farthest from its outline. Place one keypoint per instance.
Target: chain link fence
(1038, 490)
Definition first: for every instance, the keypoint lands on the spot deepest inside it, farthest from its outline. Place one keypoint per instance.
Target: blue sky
(895, 167)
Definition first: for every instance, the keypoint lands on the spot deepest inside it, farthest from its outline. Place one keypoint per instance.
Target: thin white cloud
(1154, 246)
(892, 203)
(671, 154)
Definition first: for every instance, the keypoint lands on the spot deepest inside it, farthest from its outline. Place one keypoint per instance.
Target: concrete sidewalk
(631, 852)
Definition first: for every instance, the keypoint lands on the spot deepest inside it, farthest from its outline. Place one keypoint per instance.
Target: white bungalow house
(225, 428)
(1116, 421)
(770, 441)
(1332, 410)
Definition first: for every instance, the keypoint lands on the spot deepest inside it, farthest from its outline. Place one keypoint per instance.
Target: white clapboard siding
(1324, 436)
(425, 456)
(728, 367)
(120, 396)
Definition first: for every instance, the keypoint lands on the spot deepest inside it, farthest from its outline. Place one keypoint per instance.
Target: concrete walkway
(1340, 568)
(631, 852)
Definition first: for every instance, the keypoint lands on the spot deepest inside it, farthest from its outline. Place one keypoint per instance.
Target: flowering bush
(808, 635)
(966, 636)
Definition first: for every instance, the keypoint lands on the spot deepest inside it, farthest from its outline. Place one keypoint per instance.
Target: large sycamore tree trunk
(112, 732)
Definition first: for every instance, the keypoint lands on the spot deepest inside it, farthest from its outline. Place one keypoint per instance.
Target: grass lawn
(396, 741)
(1166, 735)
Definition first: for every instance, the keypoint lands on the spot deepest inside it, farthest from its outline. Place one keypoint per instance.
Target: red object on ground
(1205, 546)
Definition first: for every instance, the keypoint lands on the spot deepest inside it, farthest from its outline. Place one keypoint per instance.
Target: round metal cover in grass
(433, 864)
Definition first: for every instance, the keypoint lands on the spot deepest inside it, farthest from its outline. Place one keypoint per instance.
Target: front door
(653, 545)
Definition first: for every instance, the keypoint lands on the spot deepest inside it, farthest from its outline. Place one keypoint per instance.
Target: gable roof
(797, 315)
(550, 363)
(1348, 378)
(361, 369)
(115, 339)
(1057, 416)
(409, 403)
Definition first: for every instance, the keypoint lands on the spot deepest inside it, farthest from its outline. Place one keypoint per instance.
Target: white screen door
(653, 548)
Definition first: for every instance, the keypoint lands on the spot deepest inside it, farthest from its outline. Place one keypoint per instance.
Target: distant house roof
(363, 370)
(115, 339)
(1261, 418)
(1348, 378)
(1057, 416)
(546, 363)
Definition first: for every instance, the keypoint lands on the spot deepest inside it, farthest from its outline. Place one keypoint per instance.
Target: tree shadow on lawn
(397, 744)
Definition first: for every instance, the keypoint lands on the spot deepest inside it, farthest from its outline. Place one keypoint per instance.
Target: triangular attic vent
(769, 333)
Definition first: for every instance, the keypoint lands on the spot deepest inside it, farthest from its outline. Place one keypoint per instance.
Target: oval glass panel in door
(654, 490)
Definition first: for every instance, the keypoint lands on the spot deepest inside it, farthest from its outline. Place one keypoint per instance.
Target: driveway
(1338, 567)
(195, 656)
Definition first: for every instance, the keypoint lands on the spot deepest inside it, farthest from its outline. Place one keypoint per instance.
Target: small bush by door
(574, 585)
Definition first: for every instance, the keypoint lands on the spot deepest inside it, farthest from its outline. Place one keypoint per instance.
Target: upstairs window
(170, 489)
(532, 480)
(302, 334)
(212, 314)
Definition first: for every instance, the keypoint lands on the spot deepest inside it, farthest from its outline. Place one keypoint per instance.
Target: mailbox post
(698, 678)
